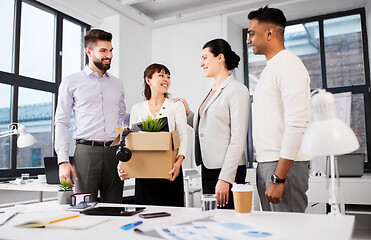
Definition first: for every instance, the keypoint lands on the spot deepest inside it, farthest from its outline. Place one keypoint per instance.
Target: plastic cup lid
(242, 187)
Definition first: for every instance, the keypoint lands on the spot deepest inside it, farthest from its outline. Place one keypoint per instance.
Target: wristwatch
(275, 179)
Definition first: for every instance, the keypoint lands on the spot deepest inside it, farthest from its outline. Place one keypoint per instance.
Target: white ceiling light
(131, 2)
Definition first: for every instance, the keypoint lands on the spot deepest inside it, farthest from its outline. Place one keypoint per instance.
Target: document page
(212, 231)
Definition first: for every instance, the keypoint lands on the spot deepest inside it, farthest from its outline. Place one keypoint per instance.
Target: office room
(43, 43)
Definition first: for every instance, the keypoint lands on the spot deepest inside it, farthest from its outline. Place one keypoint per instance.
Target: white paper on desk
(208, 230)
(40, 207)
(4, 216)
(170, 222)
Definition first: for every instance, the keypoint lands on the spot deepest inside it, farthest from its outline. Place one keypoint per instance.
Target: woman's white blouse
(177, 119)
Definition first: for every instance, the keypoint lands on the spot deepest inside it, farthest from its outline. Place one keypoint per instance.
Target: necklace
(155, 109)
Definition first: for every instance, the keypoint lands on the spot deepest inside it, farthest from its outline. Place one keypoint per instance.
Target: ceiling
(158, 13)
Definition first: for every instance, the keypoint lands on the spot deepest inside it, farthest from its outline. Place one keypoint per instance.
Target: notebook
(65, 220)
(52, 170)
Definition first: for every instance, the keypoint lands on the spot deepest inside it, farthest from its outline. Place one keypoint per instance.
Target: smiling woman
(164, 192)
(226, 108)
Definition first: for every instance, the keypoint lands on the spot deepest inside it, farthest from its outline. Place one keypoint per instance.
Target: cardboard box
(153, 153)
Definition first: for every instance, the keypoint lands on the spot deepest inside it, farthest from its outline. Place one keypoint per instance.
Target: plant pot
(64, 197)
(255, 164)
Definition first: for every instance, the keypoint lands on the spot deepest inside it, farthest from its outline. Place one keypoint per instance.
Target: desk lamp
(24, 140)
(327, 135)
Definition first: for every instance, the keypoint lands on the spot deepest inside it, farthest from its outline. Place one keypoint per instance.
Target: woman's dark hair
(150, 70)
(269, 15)
(94, 35)
(218, 46)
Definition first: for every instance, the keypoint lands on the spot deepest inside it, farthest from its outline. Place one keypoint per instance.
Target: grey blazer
(222, 129)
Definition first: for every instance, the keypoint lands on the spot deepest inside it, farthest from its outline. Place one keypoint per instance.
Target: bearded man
(97, 100)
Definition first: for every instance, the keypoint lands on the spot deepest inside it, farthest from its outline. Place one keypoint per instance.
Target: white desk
(355, 190)
(282, 225)
(32, 185)
(35, 186)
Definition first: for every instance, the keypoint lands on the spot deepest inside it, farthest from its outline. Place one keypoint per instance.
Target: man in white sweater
(281, 114)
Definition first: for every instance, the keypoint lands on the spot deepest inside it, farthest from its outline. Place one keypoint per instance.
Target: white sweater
(177, 119)
(281, 109)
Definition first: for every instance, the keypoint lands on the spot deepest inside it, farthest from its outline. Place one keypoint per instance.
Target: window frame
(16, 81)
(356, 89)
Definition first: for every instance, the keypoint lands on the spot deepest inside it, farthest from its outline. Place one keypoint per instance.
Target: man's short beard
(101, 66)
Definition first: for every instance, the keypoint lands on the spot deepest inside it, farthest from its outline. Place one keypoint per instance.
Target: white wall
(179, 47)
(132, 53)
(234, 37)
(112, 25)
(135, 56)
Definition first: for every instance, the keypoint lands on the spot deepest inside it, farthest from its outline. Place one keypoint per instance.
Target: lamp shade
(327, 134)
(25, 139)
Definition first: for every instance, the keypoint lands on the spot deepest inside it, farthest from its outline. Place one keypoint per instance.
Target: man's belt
(94, 143)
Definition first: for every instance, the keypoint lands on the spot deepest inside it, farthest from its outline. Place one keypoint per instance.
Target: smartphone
(154, 215)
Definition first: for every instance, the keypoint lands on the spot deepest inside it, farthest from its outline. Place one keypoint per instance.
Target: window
(37, 43)
(344, 51)
(332, 47)
(31, 68)
(35, 113)
(35, 157)
(73, 48)
(4, 122)
(6, 40)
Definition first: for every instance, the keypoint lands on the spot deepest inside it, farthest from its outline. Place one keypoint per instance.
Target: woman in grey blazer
(221, 124)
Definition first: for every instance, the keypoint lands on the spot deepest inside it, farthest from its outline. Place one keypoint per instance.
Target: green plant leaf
(151, 125)
(66, 185)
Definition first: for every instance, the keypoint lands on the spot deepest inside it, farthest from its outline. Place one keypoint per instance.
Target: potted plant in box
(151, 125)
(65, 192)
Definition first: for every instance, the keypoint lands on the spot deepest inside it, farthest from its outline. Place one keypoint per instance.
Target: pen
(62, 219)
(10, 217)
(131, 225)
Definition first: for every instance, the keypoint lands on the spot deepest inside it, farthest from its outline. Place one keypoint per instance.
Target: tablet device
(114, 211)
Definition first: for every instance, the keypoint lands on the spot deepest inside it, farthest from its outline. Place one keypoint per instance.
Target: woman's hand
(121, 172)
(176, 168)
(188, 111)
(222, 193)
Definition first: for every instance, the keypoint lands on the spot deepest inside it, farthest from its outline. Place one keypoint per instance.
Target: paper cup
(242, 197)
(41, 178)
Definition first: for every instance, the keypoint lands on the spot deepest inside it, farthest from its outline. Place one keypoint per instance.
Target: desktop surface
(280, 225)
